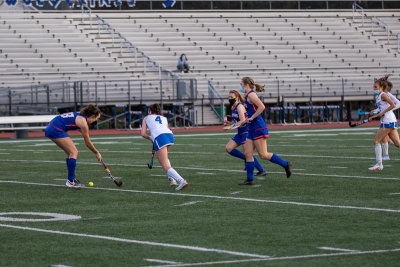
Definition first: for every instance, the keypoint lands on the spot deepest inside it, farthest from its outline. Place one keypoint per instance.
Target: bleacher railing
(358, 9)
(380, 24)
(104, 92)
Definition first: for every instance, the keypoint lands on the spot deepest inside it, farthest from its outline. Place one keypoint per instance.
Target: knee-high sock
(173, 174)
(71, 165)
(277, 160)
(378, 154)
(385, 149)
(250, 170)
(240, 155)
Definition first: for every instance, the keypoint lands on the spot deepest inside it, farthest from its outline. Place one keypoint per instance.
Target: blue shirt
(236, 118)
(258, 122)
(66, 121)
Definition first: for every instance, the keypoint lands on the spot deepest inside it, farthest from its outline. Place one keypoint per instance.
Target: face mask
(232, 101)
(241, 89)
(376, 92)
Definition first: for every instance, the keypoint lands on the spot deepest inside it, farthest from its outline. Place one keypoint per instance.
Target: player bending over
(162, 139)
(57, 129)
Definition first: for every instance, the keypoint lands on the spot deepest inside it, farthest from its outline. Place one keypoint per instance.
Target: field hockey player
(239, 116)
(57, 129)
(162, 139)
(258, 131)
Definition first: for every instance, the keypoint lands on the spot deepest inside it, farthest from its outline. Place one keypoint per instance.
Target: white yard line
(188, 203)
(236, 192)
(206, 169)
(336, 167)
(206, 173)
(284, 258)
(218, 197)
(162, 261)
(338, 249)
(140, 242)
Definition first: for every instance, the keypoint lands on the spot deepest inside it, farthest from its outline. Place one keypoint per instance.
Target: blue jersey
(66, 121)
(258, 123)
(236, 118)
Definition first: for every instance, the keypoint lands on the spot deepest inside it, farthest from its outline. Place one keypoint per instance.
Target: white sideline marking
(136, 241)
(206, 173)
(60, 265)
(217, 197)
(202, 169)
(394, 194)
(161, 175)
(188, 203)
(336, 167)
(338, 249)
(284, 258)
(236, 192)
(162, 261)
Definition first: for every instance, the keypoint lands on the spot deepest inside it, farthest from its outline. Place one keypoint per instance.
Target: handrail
(213, 94)
(398, 42)
(378, 22)
(356, 6)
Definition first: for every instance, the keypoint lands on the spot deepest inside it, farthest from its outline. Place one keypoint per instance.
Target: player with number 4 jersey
(162, 139)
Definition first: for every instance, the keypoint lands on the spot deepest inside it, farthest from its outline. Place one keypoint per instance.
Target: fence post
(48, 98)
(9, 102)
(75, 100)
(161, 95)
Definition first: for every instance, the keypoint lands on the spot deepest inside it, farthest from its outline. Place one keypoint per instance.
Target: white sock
(172, 173)
(385, 149)
(378, 154)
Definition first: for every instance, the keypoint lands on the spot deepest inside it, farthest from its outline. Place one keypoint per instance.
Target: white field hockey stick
(358, 123)
(234, 126)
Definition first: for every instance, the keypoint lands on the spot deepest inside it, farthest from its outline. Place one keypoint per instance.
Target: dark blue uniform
(240, 137)
(258, 127)
(60, 125)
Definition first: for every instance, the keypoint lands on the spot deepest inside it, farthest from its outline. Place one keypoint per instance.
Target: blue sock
(258, 165)
(277, 160)
(250, 170)
(238, 154)
(71, 164)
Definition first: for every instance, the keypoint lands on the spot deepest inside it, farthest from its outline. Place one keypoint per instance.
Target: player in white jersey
(385, 143)
(388, 125)
(162, 139)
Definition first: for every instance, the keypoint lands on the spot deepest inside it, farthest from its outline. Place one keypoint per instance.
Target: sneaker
(183, 184)
(74, 184)
(172, 182)
(385, 158)
(376, 167)
(247, 182)
(288, 169)
(76, 181)
(260, 173)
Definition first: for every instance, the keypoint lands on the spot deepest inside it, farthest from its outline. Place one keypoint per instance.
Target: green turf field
(333, 211)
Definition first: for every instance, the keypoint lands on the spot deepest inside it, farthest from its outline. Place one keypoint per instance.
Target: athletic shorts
(258, 133)
(390, 125)
(54, 133)
(240, 139)
(163, 140)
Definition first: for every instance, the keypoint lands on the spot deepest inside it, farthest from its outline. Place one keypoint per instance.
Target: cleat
(376, 167)
(172, 182)
(74, 184)
(385, 158)
(247, 182)
(69, 184)
(288, 169)
(183, 184)
(77, 182)
(260, 173)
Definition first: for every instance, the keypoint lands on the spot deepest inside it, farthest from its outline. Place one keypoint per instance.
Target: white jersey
(382, 105)
(395, 101)
(157, 125)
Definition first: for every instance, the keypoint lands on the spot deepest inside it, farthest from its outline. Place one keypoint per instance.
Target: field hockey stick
(366, 112)
(227, 119)
(150, 165)
(358, 123)
(234, 126)
(118, 183)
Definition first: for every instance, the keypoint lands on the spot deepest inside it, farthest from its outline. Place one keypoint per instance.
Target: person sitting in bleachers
(183, 64)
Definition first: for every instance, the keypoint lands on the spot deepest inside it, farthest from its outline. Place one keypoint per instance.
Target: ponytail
(249, 81)
(90, 110)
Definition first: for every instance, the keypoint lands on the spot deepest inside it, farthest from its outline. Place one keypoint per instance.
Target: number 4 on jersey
(158, 118)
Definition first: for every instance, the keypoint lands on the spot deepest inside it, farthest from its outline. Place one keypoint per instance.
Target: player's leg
(70, 149)
(380, 135)
(248, 148)
(261, 147)
(162, 156)
(394, 136)
(385, 148)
